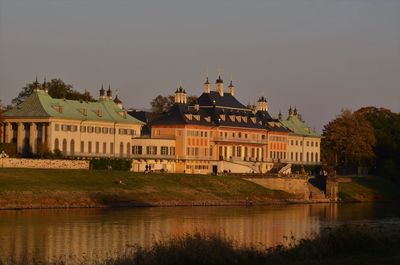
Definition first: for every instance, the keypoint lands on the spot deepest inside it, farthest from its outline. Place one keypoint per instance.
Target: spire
(45, 85)
(219, 80)
(207, 86)
(36, 85)
(109, 92)
(290, 111)
(280, 115)
(101, 92)
(295, 111)
(207, 82)
(220, 85)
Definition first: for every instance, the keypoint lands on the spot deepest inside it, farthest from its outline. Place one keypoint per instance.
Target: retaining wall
(43, 163)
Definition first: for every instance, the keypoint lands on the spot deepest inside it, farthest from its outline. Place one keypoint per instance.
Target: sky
(319, 55)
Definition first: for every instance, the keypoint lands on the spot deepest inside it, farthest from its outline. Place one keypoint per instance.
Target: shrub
(113, 164)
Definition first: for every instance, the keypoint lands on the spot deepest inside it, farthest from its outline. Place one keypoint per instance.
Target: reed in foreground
(341, 245)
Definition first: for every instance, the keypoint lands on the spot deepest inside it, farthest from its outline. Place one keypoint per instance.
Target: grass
(50, 186)
(362, 245)
(369, 188)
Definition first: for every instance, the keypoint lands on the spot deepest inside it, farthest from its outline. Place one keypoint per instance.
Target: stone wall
(297, 186)
(43, 163)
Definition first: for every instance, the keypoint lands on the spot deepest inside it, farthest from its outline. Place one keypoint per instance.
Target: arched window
(56, 144)
(128, 149)
(121, 148)
(72, 147)
(316, 157)
(64, 146)
(307, 157)
(312, 157)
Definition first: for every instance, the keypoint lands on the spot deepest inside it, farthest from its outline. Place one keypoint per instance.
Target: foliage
(162, 104)
(9, 148)
(348, 142)
(45, 153)
(346, 245)
(387, 149)
(113, 164)
(57, 88)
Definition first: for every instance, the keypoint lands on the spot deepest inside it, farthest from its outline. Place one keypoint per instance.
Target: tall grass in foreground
(342, 245)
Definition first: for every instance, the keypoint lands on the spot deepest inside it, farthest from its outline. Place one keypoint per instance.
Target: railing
(240, 140)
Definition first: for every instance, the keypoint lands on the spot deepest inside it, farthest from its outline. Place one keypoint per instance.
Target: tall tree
(162, 104)
(348, 141)
(57, 89)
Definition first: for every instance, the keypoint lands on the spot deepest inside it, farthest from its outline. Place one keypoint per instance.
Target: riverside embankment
(52, 188)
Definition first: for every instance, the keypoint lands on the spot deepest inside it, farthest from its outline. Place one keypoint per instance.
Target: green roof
(299, 127)
(41, 105)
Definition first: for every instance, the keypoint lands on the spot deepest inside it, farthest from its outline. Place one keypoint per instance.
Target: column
(20, 137)
(9, 132)
(49, 141)
(44, 128)
(33, 138)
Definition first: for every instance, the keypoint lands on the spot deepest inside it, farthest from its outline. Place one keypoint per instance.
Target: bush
(113, 164)
(9, 148)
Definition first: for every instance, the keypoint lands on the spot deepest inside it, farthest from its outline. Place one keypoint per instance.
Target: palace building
(76, 128)
(216, 134)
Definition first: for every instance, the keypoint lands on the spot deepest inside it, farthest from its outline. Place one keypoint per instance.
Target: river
(95, 234)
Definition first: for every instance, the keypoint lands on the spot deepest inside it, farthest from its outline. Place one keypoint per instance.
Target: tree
(162, 104)
(57, 89)
(348, 142)
(386, 125)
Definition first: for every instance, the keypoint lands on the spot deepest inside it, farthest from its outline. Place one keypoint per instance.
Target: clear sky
(318, 55)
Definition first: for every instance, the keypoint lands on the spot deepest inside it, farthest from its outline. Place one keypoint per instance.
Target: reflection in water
(98, 233)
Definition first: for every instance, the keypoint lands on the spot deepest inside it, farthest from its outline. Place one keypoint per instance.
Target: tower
(109, 93)
(262, 104)
(45, 86)
(220, 86)
(180, 96)
(232, 89)
(207, 86)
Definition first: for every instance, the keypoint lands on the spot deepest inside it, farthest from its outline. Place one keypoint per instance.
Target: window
(97, 147)
(297, 156)
(89, 147)
(128, 148)
(57, 127)
(312, 156)
(307, 143)
(133, 132)
(56, 144)
(301, 156)
(316, 144)
(111, 148)
(104, 130)
(72, 147)
(151, 150)
(316, 157)
(104, 147)
(98, 130)
(137, 149)
(64, 146)
(74, 128)
(312, 144)
(82, 147)
(307, 156)
(164, 150)
(121, 148)
(291, 142)
(291, 156)
(172, 150)
(90, 129)
(297, 142)
(83, 128)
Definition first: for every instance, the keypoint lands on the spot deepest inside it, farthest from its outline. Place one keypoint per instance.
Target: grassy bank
(342, 245)
(49, 188)
(368, 189)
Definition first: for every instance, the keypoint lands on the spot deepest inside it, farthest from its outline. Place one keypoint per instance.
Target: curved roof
(41, 104)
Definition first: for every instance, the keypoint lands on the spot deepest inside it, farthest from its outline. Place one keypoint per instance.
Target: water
(95, 234)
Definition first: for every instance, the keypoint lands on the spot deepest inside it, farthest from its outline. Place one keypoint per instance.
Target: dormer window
(83, 111)
(222, 117)
(189, 117)
(196, 117)
(98, 112)
(208, 119)
(58, 108)
(253, 119)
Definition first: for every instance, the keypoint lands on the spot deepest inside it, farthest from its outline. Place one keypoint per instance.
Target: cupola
(109, 92)
(45, 86)
(220, 86)
(262, 104)
(102, 92)
(180, 96)
(207, 86)
(232, 89)
(118, 102)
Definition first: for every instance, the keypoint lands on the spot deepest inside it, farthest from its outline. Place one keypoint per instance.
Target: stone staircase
(315, 192)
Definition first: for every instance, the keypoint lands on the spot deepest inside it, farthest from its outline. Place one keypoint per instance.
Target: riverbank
(51, 188)
(368, 189)
(367, 245)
